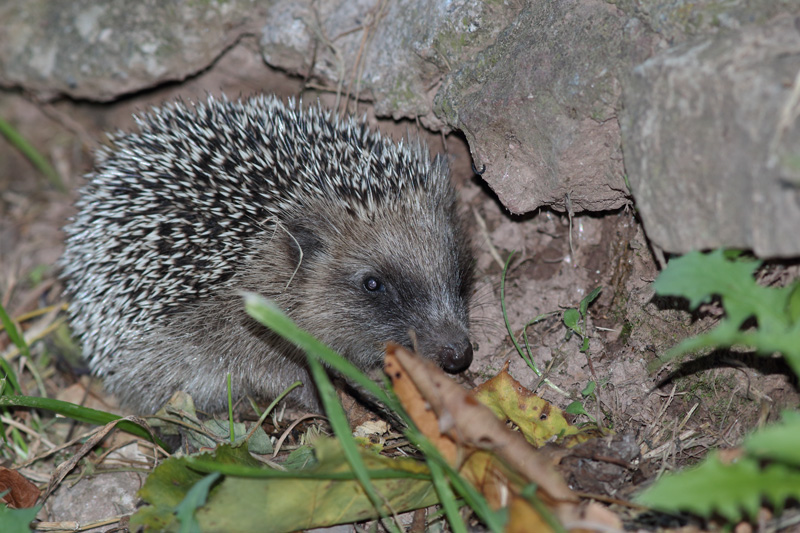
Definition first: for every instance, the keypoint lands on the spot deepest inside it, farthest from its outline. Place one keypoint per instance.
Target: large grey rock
(394, 56)
(535, 86)
(538, 107)
(676, 21)
(100, 50)
(712, 141)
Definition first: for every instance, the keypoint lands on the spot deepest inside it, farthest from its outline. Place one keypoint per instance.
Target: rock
(712, 141)
(101, 50)
(539, 106)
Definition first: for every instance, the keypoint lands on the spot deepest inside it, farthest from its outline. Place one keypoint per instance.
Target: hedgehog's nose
(455, 360)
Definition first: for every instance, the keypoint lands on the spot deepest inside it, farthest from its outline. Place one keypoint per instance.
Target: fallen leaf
(471, 424)
(537, 419)
(21, 492)
(325, 494)
(417, 408)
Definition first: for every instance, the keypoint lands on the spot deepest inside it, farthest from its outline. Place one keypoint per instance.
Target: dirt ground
(675, 414)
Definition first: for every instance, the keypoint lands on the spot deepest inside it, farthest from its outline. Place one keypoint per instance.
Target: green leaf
(585, 345)
(589, 389)
(727, 489)
(697, 277)
(576, 408)
(17, 520)
(251, 495)
(778, 442)
(571, 318)
(195, 498)
(584, 306)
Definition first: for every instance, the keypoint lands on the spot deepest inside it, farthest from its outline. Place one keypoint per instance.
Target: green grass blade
(271, 316)
(494, 520)
(529, 361)
(19, 342)
(76, 412)
(446, 497)
(32, 154)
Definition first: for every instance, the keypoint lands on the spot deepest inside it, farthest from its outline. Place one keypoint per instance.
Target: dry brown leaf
(417, 408)
(495, 481)
(22, 494)
(522, 518)
(455, 413)
(601, 518)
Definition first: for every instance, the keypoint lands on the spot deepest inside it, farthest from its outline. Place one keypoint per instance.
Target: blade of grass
(19, 342)
(522, 354)
(76, 412)
(270, 407)
(271, 316)
(32, 154)
(494, 520)
(446, 497)
(263, 310)
(528, 360)
(13, 333)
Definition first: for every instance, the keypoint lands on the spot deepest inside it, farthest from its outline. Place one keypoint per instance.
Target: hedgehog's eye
(373, 284)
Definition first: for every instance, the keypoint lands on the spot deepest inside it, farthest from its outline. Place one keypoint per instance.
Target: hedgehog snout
(455, 358)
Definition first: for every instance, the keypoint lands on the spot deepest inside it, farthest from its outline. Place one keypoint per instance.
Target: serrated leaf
(727, 489)
(17, 520)
(697, 277)
(778, 442)
(727, 334)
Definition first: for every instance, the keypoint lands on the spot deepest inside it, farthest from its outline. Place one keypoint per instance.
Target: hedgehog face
(398, 277)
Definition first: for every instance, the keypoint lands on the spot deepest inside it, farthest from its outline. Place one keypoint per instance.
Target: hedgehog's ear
(302, 237)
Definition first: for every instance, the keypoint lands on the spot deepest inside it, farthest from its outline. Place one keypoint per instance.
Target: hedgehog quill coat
(355, 237)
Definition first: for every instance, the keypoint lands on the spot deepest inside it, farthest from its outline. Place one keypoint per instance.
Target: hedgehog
(357, 238)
